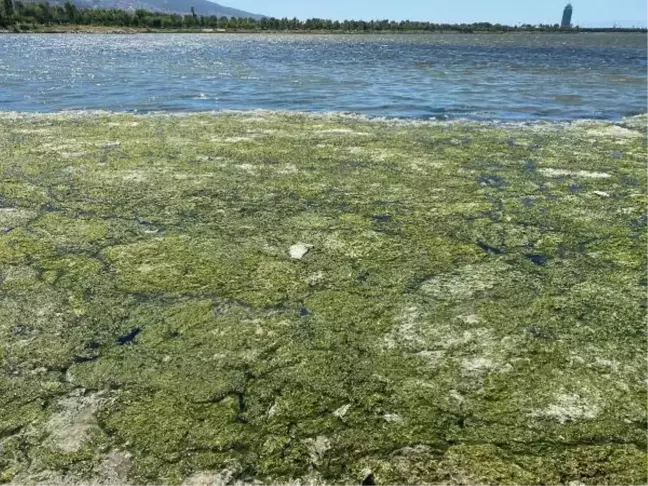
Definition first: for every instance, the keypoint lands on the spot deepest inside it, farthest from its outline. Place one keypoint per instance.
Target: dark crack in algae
(288, 298)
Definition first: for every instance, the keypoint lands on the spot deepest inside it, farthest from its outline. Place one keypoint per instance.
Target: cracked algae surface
(471, 308)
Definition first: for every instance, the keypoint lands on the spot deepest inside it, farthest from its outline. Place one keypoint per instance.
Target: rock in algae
(299, 251)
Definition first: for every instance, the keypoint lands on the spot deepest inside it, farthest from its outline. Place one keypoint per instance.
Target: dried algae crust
(467, 305)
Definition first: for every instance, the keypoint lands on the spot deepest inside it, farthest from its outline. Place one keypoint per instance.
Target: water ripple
(516, 77)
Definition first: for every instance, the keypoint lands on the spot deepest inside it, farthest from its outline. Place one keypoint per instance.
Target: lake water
(511, 77)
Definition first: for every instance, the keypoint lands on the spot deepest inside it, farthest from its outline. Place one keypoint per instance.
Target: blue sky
(587, 13)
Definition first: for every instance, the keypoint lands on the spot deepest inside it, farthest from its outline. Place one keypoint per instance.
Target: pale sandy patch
(465, 282)
(406, 331)
(135, 175)
(570, 408)
(342, 131)
(111, 471)
(75, 420)
(288, 169)
(73, 155)
(33, 131)
(123, 124)
(614, 131)
(574, 173)
(10, 217)
(239, 139)
(249, 168)
(70, 145)
(477, 365)
(108, 144)
(211, 478)
(254, 119)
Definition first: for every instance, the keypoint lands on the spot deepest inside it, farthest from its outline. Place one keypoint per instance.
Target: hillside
(202, 7)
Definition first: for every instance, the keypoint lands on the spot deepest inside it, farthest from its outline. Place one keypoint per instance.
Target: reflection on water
(515, 76)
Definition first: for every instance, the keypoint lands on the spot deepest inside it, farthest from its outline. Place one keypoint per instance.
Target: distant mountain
(202, 7)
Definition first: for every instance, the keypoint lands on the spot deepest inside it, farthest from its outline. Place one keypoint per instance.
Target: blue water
(511, 77)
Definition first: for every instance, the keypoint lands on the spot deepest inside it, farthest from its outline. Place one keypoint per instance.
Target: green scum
(468, 307)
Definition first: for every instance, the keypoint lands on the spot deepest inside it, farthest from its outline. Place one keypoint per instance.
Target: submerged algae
(462, 316)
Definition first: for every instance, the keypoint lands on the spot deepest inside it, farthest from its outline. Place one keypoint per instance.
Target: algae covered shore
(464, 302)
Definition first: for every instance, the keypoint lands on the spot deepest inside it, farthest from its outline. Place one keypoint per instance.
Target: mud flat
(288, 298)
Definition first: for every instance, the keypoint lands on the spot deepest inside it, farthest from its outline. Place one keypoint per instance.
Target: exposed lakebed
(279, 297)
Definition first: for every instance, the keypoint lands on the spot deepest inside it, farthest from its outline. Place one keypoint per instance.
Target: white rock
(457, 396)
(342, 411)
(392, 418)
(317, 448)
(298, 251)
(470, 319)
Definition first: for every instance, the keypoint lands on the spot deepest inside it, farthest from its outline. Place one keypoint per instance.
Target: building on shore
(567, 17)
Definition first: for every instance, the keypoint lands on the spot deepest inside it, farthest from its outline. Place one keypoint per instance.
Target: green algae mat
(301, 299)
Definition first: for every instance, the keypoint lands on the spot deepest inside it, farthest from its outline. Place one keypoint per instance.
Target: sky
(587, 13)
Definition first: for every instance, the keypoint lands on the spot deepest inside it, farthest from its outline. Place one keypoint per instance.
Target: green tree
(71, 12)
(9, 8)
(44, 13)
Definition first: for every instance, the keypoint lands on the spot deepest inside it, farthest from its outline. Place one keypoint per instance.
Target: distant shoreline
(55, 18)
(95, 29)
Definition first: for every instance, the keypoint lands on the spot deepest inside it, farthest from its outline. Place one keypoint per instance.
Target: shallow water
(513, 77)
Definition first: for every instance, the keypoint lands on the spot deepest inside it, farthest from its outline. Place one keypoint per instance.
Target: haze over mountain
(202, 7)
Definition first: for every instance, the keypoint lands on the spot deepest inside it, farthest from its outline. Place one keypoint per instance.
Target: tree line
(27, 16)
